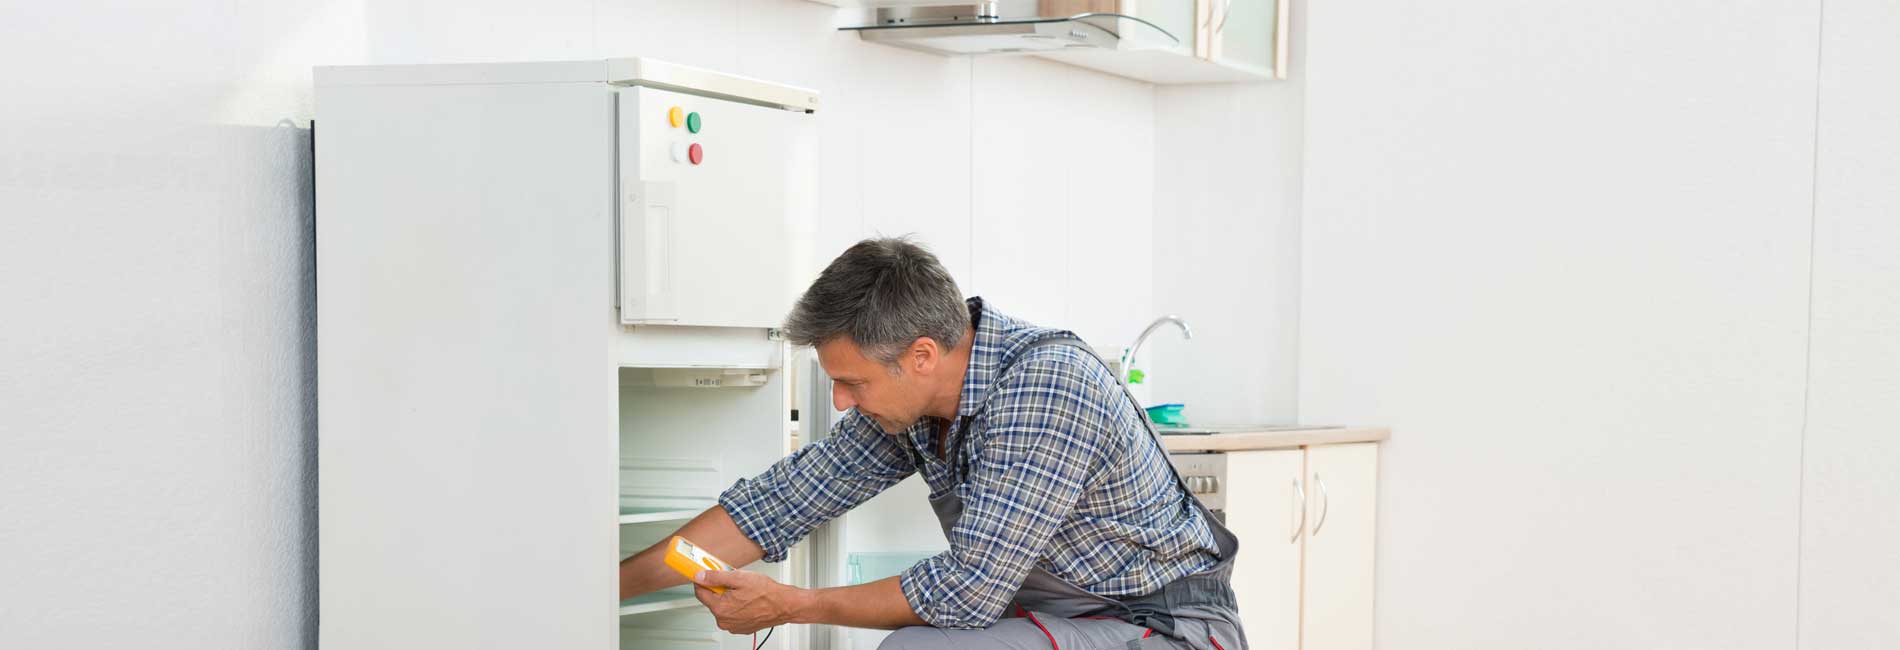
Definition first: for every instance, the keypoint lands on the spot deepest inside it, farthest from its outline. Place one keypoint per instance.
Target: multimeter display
(689, 560)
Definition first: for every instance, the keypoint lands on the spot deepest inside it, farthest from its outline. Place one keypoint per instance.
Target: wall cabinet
(1220, 41)
(1247, 36)
(1305, 517)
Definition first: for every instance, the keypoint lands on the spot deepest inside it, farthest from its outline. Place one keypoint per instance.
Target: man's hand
(752, 602)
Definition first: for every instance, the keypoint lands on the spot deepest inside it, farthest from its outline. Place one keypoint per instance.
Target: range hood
(994, 27)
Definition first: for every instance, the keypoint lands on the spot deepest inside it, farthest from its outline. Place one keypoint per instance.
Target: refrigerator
(547, 299)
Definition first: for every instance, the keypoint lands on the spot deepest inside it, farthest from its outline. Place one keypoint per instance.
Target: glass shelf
(640, 515)
(680, 597)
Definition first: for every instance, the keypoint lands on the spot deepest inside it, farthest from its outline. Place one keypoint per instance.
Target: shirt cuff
(922, 585)
(745, 502)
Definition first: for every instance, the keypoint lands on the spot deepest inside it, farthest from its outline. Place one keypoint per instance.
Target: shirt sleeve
(1045, 432)
(815, 484)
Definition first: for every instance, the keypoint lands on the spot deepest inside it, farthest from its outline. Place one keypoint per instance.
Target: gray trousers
(1024, 634)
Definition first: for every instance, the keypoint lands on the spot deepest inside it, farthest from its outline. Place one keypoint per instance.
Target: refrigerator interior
(679, 447)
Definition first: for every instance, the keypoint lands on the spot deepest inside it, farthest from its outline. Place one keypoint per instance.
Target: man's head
(887, 320)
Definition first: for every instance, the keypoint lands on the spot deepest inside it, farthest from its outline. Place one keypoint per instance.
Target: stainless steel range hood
(1008, 27)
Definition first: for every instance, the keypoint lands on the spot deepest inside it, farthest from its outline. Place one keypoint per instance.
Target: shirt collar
(986, 353)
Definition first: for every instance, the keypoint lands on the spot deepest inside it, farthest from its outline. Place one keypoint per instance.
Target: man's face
(894, 398)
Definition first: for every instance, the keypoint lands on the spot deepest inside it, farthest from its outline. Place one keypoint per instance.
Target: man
(1067, 526)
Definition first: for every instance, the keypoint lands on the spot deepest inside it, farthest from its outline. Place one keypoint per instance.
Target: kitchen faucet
(1128, 356)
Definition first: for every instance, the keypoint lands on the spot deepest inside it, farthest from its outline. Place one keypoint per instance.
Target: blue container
(1167, 415)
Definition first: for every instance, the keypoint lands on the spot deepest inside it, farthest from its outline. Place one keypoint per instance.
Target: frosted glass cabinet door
(1176, 17)
(1263, 509)
(1341, 499)
(1245, 34)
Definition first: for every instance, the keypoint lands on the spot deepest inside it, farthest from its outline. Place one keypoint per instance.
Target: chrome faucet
(1128, 356)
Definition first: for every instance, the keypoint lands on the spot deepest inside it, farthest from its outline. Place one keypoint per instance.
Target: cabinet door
(1247, 35)
(1203, 31)
(1176, 17)
(1341, 505)
(1263, 509)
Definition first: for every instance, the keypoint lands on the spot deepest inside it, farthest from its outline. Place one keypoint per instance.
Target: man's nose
(841, 398)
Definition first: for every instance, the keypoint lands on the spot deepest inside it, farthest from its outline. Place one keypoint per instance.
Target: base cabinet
(1306, 519)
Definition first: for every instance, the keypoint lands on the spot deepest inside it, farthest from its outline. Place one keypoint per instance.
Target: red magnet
(695, 154)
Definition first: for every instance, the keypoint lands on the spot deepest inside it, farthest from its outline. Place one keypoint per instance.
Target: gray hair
(884, 293)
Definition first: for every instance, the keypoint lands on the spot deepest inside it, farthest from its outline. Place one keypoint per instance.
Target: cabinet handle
(1229, 9)
(1299, 495)
(1325, 504)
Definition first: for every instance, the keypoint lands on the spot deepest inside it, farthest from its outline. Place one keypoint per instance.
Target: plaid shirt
(1050, 459)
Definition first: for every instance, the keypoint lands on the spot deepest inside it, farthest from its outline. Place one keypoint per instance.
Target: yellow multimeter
(689, 560)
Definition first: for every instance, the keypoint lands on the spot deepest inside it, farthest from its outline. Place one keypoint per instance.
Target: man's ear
(924, 355)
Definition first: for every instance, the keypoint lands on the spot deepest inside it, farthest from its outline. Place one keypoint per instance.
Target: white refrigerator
(547, 295)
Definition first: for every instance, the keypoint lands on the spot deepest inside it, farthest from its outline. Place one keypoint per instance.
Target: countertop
(1242, 439)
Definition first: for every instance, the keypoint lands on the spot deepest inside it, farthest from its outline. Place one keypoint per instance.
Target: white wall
(155, 376)
(1850, 574)
(1227, 245)
(1017, 171)
(157, 423)
(1562, 248)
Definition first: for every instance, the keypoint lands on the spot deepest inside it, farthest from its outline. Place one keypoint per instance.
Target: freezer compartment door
(717, 201)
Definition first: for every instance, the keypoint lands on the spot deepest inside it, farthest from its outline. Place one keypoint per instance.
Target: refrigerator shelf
(637, 515)
(680, 597)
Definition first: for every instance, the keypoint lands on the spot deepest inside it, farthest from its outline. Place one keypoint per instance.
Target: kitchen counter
(1241, 438)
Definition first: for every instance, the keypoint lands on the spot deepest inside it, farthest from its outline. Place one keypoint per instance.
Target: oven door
(1205, 473)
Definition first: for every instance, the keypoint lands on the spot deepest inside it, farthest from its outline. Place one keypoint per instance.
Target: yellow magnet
(674, 116)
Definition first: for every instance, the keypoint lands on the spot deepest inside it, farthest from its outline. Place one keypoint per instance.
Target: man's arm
(761, 517)
(754, 602)
(712, 530)
(878, 605)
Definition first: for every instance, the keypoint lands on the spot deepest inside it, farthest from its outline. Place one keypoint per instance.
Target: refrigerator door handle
(646, 252)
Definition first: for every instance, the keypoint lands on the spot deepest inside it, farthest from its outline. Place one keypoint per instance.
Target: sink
(1233, 428)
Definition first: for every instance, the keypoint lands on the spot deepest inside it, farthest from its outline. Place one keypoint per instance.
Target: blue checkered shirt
(1050, 459)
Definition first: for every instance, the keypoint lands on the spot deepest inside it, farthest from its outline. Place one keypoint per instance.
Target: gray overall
(1196, 611)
